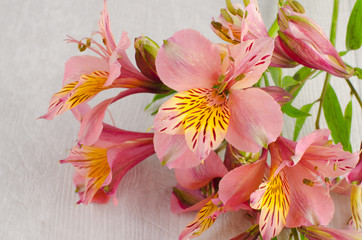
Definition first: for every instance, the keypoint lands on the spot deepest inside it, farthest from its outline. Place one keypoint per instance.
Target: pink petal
(318, 137)
(310, 204)
(91, 125)
(237, 185)
(80, 111)
(188, 60)
(279, 94)
(79, 65)
(199, 176)
(254, 22)
(172, 150)
(256, 119)
(330, 161)
(356, 173)
(105, 28)
(250, 59)
(186, 200)
(124, 157)
(120, 65)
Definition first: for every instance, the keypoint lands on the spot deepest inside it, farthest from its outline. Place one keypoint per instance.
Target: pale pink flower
(237, 24)
(86, 76)
(101, 166)
(197, 185)
(295, 194)
(215, 101)
(304, 41)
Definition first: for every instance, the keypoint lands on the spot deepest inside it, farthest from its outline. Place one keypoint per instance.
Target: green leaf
(299, 76)
(354, 27)
(293, 112)
(302, 73)
(300, 121)
(276, 74)
(335, 119)
(158, 97)
(348, 122)
(358, 72)
(342, 53)
(288, 81)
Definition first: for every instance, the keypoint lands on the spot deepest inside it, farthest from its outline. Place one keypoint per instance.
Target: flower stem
(332, 38)
(295, 234)
(354, 92)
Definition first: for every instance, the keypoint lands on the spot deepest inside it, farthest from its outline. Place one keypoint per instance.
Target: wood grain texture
(37, 200)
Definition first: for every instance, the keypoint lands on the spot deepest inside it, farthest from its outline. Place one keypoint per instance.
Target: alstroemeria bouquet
(220, 98)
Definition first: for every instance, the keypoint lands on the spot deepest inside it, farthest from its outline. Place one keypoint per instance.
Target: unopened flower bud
(146, 51)
(306, 43)
(235, 158)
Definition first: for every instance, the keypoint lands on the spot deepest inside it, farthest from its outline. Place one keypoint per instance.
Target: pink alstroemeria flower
(197, 185)
(86, 76)
(304, 41)
(101, 166)
(235, 25)
(295, 194)
(215, 100)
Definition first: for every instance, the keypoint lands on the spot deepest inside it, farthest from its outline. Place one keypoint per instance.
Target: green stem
(354, 92)
(273, 31)
(301, 82)
(295, 234)
(321, 99)
(266, 79)
(332, 38)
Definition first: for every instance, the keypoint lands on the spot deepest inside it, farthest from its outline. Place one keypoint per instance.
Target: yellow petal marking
(91, 163)
(274, 204)
(356, 206)
(77, 92)
(203, 220)
(202, 114)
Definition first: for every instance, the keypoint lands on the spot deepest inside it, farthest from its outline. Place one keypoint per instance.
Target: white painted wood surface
(37, 199)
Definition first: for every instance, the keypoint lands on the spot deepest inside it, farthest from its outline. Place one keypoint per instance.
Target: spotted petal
(91, 163)
(201, 114)
(75, 93)
(203, 220)
(273, 198)
(250, 59)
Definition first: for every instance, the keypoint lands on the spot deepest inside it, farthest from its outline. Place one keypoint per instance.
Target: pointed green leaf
(302, 73)
(335, 119)
(300, 121)
(293, 112)
(358, 72)
(276, 74)
(354, 27)
(348, 121)
(288, 81)
(158, 97)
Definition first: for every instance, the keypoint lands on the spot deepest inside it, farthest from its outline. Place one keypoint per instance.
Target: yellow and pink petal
(273, 199)
(201, 114)
(237, 185)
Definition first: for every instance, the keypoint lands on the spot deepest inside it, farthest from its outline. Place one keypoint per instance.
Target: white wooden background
(37, 199)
